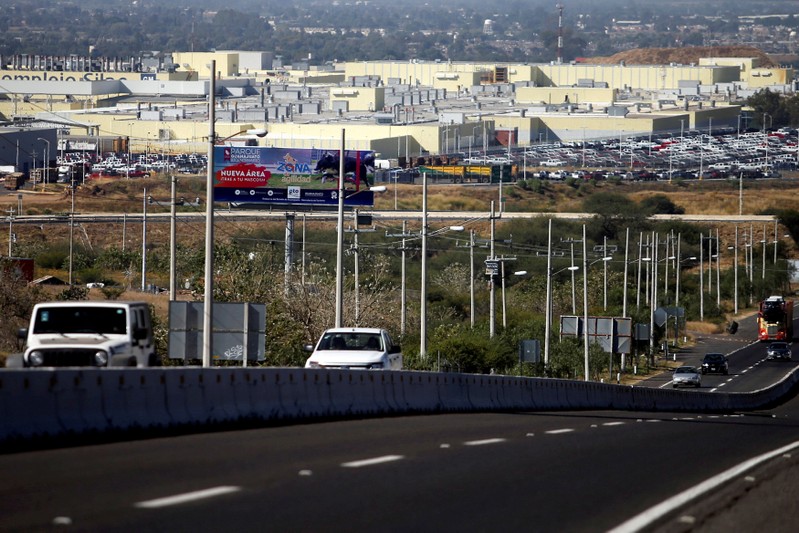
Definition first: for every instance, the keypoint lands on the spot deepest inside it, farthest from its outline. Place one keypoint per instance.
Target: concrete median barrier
(43, 403)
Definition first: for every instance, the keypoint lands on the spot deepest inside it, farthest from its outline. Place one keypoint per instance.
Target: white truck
(88, 333)
(355, 348)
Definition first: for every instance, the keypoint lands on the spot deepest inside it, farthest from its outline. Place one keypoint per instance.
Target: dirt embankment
(685, 55)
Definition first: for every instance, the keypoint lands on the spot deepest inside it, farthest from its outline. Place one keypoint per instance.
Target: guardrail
(70, 406)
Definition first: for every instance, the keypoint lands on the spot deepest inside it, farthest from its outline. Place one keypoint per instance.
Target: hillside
(684, 55)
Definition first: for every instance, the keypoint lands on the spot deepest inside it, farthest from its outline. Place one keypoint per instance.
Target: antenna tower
(560, 33)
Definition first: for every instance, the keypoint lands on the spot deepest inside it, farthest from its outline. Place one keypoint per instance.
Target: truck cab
(88, 333)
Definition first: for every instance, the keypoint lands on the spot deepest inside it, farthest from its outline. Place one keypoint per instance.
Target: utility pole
(144, 243)
(10, 234)
(172, 243)
(404, 248)
(491, 283)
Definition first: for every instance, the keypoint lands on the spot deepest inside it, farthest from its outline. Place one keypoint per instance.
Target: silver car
(686, 375)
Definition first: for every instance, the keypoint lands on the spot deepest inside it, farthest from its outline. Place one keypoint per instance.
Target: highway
(527, 470)
(541, 471)
(748, 368)
(587, 471)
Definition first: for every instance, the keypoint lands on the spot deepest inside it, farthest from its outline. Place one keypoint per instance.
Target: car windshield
(778, 346)
(685, 370)
(80, 320)
(714, 357)
(351, 341)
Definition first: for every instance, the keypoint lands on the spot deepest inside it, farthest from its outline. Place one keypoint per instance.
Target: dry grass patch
(705, 328)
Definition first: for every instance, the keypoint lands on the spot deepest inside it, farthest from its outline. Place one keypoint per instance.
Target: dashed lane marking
(483, 442)
(187, 497)
(559, 431)
(373, 461)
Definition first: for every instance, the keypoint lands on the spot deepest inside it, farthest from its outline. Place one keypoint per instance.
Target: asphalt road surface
(585, 471)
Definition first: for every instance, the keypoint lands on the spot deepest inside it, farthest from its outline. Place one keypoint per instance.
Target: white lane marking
(482, 442)
(372, 461)
(306, 472)
(613, 424)
(558, 431)
(445, 445)
(187, 497)
(657, 512)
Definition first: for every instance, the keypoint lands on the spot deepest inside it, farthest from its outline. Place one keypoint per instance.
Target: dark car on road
(779, 350)
(715, 363)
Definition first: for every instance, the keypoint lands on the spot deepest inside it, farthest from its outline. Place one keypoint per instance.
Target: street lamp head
(520, 273)
(378, 188)
(258, 132)
(456, 228)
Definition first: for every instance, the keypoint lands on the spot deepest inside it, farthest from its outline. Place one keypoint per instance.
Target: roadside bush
(73, 293)
(52, 258)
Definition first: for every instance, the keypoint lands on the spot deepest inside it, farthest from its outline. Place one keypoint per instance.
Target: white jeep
(88, 333)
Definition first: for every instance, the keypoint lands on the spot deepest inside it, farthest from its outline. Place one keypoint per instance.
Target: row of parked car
(692, 154)
(78, 165)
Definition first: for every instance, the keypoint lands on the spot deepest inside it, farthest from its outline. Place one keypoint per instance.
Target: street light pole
(701, 278)
(423, 311)
(403, 303)
(471, 270)
(209, 224)
(144, 242)
(356, 272)
(172, 243)
(640, 253)
(491, 283)
(585, 304)
(605, 274)
(653, 301)
(735, 261)
(626, 258)
(548, 312)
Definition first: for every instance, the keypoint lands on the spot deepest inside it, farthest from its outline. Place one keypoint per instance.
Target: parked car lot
(724, 154)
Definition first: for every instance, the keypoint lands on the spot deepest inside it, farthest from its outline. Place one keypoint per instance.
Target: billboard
(238, 329)
(287, 176)
(613, 334)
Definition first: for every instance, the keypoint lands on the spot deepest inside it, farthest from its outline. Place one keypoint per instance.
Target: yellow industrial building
(396, 108)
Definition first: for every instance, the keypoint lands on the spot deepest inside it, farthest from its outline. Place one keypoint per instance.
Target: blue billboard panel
(251, 174)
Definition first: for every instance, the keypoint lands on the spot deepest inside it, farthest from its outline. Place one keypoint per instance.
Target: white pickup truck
(87, 333)
(356, 348)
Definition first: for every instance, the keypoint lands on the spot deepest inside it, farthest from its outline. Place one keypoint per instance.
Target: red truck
(775, 319)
